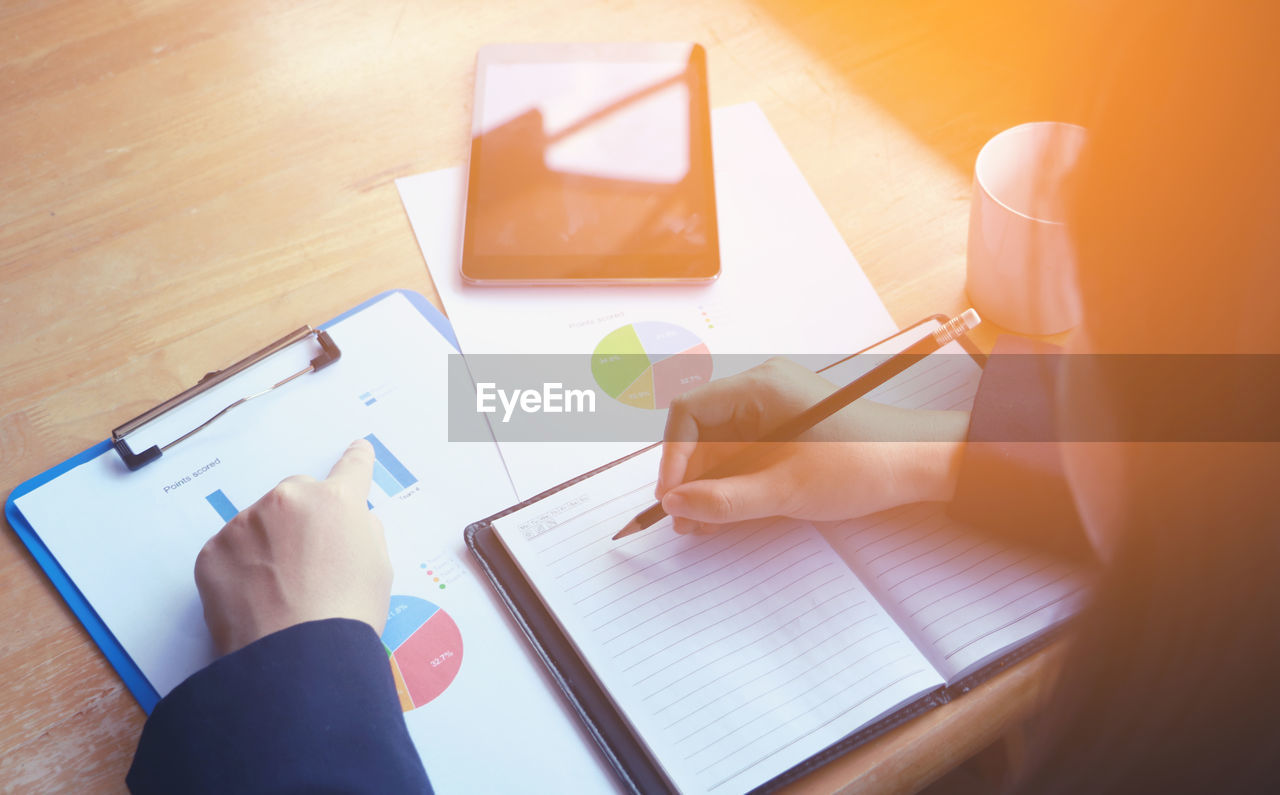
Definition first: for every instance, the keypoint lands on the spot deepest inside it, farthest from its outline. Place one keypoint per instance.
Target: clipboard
(124, 665)
(626, 753)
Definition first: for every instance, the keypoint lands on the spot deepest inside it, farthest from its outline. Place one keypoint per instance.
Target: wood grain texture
(182, 181)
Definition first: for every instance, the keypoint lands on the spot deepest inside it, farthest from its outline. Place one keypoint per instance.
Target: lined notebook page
(964, 600)
(735, 655)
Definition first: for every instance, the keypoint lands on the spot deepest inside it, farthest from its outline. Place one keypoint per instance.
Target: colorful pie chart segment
(648, 363)
(425, 649)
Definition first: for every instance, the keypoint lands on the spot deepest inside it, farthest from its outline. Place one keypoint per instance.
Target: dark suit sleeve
(1011, 483)
(307, 709)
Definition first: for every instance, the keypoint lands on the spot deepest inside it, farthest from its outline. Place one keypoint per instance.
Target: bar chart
(389, 475)
(223, 505)
(390, 479)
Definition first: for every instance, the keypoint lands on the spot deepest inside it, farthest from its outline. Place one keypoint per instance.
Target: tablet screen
(590, 162)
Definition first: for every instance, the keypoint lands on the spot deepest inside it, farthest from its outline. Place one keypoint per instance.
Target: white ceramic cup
(1021, 266)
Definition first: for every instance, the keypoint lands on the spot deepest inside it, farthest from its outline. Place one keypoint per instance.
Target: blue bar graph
(222, 505)
(390, 475)
(389, 485)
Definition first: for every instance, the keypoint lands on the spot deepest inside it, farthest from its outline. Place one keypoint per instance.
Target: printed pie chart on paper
(424, 646)
(648, 363)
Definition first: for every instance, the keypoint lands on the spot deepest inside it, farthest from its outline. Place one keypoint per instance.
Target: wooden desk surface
(183, 180)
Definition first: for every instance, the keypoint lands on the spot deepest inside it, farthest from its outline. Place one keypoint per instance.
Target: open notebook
(734, 658)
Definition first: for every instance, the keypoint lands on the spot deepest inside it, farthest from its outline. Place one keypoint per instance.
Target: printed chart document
(481, 710)
(737, 655)
(788, 286)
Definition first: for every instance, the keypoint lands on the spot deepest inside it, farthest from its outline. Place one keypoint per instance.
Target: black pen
(953, 329)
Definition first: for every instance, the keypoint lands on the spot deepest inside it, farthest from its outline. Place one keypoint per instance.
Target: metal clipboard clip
(119, 437)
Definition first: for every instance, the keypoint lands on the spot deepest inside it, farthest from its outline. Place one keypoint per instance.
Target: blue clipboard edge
(138, 685)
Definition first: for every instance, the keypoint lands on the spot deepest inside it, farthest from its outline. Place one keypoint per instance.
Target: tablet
(590, 162)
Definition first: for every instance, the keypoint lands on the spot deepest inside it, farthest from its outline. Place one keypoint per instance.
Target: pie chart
(425, 649)
(648, 363)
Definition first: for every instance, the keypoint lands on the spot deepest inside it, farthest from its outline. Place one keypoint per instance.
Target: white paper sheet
(129, 541)
(788, 286)
(735, 656)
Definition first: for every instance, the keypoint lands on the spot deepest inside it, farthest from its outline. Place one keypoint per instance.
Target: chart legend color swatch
(647, 364)
(425, 648)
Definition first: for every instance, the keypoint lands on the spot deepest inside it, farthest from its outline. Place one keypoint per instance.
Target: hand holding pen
(780, 440)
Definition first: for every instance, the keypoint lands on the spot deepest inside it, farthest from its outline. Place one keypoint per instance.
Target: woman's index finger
(354, 471)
